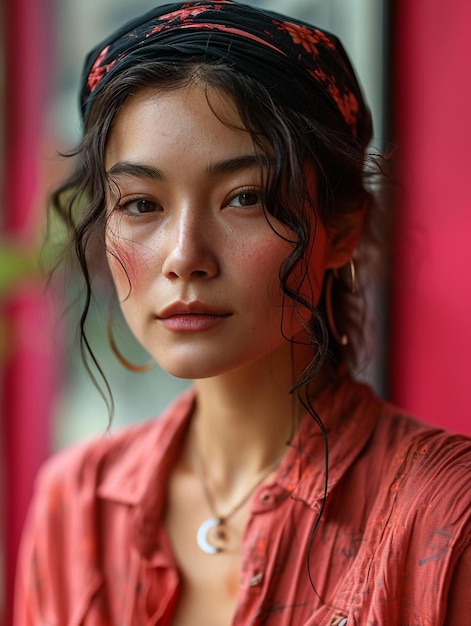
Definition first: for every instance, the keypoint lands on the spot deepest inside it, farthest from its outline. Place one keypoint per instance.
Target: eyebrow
(226, 166)
(243, 162)
(137, 170)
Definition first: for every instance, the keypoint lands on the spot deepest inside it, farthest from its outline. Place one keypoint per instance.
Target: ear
(344, 233)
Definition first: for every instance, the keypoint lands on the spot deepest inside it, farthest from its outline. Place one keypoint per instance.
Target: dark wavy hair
(296, 143)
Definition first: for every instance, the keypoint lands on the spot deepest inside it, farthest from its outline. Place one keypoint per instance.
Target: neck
(247, 428)
(244, 420)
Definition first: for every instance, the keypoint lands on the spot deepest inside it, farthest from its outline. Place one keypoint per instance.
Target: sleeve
(56, 569)
(38, 561)
(459, 597)
(25, 604)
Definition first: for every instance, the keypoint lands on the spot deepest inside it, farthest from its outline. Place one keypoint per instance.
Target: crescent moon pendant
(202, 535)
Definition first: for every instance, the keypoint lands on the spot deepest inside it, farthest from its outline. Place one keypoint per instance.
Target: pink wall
(431, 334)
(29, 372)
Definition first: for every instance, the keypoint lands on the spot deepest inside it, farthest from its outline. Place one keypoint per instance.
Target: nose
(190, 247)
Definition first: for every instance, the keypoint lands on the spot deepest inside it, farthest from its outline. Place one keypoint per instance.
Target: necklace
(216, 523)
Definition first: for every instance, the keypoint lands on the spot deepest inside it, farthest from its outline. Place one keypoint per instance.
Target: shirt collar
(349, 412)
(136, 475)
(130, 471)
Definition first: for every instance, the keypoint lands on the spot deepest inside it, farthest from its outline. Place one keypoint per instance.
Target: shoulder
(73, 485)
(422, 451)
(418, 532)
(436, 469)
(415, 476)
(121, 457)
(426, 497)
(66, 521)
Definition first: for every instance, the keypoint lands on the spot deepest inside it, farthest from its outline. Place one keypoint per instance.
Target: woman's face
(193, 258)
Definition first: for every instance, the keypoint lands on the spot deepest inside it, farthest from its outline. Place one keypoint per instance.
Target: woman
(221, 175)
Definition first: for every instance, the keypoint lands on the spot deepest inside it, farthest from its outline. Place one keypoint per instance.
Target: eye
(138, 206)
(248, 198)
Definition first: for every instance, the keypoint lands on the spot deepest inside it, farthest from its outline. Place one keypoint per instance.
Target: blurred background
(412, 59)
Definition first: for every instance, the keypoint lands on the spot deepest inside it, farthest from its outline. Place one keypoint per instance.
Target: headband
(299, 64)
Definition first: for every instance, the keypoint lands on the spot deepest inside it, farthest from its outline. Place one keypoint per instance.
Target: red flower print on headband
(306, 37)
(189, 10)
(182, 14)
(98, 70)
(347, 102)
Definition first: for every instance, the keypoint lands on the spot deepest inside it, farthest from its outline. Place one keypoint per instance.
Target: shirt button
(265, 497)
(256, 579)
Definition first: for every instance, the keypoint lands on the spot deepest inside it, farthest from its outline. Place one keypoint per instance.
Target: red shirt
(392, 547)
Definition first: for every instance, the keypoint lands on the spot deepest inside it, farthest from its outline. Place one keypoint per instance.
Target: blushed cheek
(128, 267)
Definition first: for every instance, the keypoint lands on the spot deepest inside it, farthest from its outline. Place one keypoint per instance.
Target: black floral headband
(298, 63)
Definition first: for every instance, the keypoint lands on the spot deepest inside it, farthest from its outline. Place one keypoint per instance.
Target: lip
(192, 316)
(194, 307)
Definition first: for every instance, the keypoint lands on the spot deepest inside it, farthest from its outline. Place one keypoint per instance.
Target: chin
(203, 366)
(192, 369)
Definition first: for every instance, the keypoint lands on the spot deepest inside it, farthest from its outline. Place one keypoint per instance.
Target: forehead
(192, 118)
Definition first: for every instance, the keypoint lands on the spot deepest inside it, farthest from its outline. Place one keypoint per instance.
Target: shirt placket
(256, 545)
(159, 595)
(157, 582)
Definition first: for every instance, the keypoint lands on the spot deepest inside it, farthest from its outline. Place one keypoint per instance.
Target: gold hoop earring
(139, 369)
(353, 276)
(342, 339)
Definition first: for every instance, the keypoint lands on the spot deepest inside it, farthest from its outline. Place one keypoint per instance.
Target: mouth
(191, 316)
(191, 308)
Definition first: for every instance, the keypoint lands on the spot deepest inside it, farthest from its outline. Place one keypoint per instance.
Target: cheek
(260, 265)
(128, 263)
